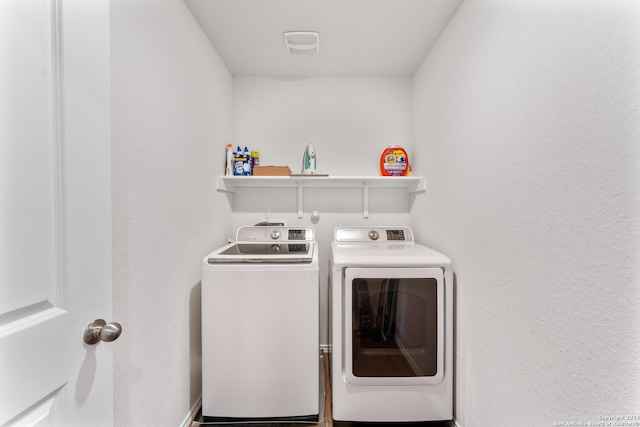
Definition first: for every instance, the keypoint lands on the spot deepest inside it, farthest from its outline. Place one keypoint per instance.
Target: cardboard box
(271, 171)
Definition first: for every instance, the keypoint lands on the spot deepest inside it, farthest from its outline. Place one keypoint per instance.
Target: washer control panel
(373, 234)
(275, 234)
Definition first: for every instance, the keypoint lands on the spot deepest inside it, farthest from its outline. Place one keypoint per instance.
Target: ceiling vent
(302, 42)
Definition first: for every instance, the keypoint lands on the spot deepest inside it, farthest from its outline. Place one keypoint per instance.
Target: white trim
(191, 416)
(456, 423)
(40, 411)
(29, 317)
(57, 296)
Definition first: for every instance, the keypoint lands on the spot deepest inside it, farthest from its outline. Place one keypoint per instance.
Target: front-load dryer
(391, 327)
(260, 327)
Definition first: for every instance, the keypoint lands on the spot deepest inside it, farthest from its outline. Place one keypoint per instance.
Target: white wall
(526, 126)
(171, 112)
(349, 121)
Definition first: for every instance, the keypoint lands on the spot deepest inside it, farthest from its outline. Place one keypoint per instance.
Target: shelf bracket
(222, 186)
(365, 199)
(300, 198)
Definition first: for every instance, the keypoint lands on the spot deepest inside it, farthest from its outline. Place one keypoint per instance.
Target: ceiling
(357, 37)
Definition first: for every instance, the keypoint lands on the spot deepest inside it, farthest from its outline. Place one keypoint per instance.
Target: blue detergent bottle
(238, 162)
(246, 165)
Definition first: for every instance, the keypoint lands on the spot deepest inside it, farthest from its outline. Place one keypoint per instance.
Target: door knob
(99, 330)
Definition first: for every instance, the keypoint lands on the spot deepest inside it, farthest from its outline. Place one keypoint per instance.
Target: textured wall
(526, 127)
(171, 115)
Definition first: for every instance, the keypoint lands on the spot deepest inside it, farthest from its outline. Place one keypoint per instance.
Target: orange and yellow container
(394, 161)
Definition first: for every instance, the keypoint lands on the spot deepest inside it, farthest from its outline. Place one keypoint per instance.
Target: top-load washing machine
(391, 327)
(260, 327)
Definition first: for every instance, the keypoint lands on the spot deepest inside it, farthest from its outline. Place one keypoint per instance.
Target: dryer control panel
(373, 234)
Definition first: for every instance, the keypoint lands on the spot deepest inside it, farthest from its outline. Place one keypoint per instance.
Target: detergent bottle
(246, 165)
(394, 161)
(228, 168)
(238, 162)
(255, 160)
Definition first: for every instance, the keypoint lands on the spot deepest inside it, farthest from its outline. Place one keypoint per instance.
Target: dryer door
(394, 326)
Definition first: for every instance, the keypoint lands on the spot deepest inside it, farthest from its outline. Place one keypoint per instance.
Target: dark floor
(328, 423)
(421, 424)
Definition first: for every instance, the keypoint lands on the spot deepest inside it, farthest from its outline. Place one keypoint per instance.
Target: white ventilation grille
(302, 42)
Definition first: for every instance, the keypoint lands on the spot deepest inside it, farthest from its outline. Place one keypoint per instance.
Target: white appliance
(391, 327)
(260, 327)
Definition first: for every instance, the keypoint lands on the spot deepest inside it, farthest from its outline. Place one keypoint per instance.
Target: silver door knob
(99, 330)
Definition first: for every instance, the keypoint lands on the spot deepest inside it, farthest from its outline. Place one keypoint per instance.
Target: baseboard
(456, 423)
(192, 414)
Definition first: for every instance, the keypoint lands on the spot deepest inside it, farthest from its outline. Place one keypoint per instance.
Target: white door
(55, 212)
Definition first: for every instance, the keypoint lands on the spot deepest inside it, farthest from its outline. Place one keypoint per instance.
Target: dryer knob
(275, 234)
(374, 235)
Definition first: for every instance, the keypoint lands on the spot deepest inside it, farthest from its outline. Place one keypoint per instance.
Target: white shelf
(413, 184)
